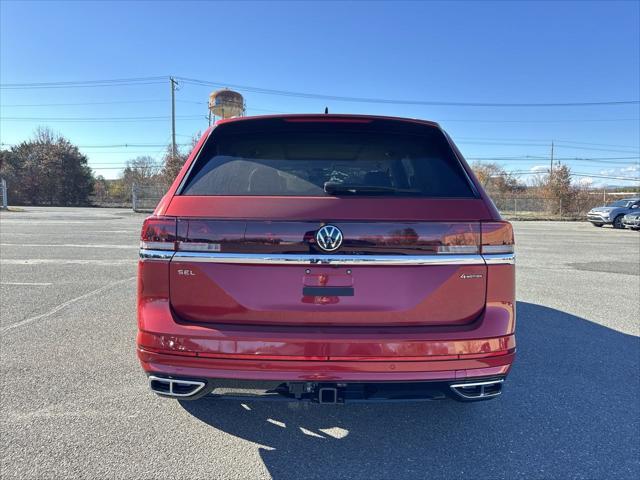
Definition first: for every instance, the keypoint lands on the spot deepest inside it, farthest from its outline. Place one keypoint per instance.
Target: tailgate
(275, 272)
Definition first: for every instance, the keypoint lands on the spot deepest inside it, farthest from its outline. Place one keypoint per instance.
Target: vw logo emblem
(329, 238)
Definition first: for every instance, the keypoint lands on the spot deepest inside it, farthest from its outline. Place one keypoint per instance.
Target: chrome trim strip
(477, 384)
(301, 259)
(295, 259)
(171, 381)
(146, 254)
(482, 394)
(500, 258)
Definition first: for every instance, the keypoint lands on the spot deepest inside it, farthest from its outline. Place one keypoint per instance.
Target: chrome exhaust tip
(478, 390)
(173, 387)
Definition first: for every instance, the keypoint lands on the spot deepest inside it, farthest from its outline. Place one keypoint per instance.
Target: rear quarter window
(311, 160)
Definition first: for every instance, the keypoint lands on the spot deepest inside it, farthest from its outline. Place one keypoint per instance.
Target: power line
(112, 145)
(196, 117)
(86, 83)
(100, 119)
(543, 143)
(600, 144)
(592, 148)
(566, 160)
(636, 147)
(544, 157)
(339, 98)
(119, 165)
(115, 168)
(111, 102)
(540, 144)
(291, 93)
(85, 86)
(71, 104)
(556, 120)
(126, 145)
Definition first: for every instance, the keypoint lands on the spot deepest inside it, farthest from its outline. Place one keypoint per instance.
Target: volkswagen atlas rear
(329, 258)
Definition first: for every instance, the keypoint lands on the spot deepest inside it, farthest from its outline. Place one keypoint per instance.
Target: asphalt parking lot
(74, 401)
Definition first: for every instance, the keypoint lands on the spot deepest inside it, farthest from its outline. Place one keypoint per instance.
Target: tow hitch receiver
(328, 395)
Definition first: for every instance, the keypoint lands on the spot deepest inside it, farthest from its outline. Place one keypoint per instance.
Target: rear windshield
(323, 162)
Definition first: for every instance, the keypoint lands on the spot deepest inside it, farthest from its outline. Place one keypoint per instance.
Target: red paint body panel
(263, 294)
(324, 208)
(402, 323)
(308, 370)
(260, 294)
(169, 345)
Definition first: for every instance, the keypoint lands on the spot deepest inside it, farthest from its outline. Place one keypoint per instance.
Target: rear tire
(597, 224)
(617, 222)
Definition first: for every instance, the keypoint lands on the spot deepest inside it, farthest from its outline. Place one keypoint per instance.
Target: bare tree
(140, 171)
(173, 163)
(495, 180)
(557, 190)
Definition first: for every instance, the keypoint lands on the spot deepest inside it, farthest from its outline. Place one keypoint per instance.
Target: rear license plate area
(327, 291)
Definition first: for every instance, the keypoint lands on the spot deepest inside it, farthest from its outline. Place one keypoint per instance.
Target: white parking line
(39, 222)
(71, 245)
(37, 284)
(63, 305)
(133, 232)
(63, 261)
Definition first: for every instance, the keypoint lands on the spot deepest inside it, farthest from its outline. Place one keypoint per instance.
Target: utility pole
(173, 116)
(551, 166)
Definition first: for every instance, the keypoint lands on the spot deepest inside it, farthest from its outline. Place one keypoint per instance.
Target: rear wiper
(333, 188)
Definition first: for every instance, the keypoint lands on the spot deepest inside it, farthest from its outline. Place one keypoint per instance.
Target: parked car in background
(632, 220)
(329, 258)
(613, 213)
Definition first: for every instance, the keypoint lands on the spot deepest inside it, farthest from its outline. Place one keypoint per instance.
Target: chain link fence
(144, 198)
(531, 207)
(573, 207)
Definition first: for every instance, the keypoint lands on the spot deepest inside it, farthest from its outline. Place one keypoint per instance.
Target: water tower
(226, 104)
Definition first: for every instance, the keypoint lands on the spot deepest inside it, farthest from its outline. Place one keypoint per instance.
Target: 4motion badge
(465, 276)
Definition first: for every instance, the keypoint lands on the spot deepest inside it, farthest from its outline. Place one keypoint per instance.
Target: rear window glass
(324, 163)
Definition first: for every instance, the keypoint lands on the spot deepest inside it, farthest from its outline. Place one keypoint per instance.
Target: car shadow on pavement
(569, 410)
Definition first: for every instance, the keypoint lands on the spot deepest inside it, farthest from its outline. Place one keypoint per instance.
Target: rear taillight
(458, 238)
(159, 233)
(497, 237)
(209, 235)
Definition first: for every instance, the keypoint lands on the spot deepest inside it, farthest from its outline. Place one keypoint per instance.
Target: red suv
(328, 258)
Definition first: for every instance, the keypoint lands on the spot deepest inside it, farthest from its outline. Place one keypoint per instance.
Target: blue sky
(518, 52)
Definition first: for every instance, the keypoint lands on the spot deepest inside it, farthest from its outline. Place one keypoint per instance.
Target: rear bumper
(168, 347)
(393, 369)
(598, 219)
